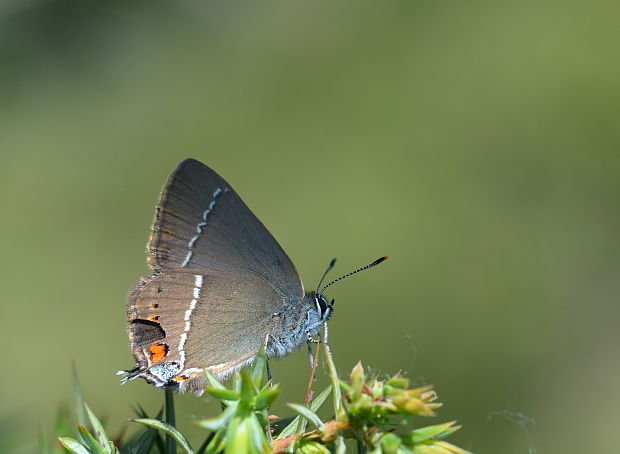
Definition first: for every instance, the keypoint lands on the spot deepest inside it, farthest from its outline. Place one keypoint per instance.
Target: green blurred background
(475, 143)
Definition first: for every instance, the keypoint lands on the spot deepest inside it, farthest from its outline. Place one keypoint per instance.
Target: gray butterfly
(221, 288)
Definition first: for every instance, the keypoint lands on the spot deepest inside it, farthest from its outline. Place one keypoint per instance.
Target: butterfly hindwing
(188, 322)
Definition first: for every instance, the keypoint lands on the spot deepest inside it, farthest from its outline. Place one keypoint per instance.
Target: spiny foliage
(377, 414)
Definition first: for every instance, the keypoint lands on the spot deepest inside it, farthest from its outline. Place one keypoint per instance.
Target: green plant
(378, 415)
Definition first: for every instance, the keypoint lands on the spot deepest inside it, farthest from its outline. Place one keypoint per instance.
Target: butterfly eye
(323, 304)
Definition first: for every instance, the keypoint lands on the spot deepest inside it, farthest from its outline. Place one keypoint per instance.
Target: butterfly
(221, 288)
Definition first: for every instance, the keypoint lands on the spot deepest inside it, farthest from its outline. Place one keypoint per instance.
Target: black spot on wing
(146, 332)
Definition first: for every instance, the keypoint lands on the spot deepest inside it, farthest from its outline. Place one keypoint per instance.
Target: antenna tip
(379, 260)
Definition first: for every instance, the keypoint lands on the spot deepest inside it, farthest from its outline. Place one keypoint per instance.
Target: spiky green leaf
(218, 422)
(72, 445)
(223, 393)
(427, 433)
(259, 369)
(93, 445)
(308, 414)
(213, 382)
(333, 376)
(168, 429)
(265, 398)
(248, 389)
(78, 400)
(315, 405)
(97, 427)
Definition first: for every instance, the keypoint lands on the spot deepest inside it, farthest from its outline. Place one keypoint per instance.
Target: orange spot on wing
(158, 352)
(153, 318)
(180, 378)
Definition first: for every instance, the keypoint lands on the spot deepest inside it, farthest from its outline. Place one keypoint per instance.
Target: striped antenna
(376, 262)
(329, 267)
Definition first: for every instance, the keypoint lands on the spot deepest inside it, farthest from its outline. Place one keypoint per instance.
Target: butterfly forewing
(201, 223)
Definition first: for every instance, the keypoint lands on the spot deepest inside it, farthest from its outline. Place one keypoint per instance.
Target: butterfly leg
(265, 346)
(310, 354)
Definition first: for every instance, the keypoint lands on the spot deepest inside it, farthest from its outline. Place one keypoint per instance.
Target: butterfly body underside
(221, 288)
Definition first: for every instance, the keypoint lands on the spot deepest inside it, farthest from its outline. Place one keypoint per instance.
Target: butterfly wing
(219, 278)
(182, 322)
(201, 223)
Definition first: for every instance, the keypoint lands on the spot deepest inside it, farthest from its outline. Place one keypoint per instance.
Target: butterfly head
(325, 308)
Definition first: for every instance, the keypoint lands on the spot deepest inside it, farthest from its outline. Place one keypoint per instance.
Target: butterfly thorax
(293, 327)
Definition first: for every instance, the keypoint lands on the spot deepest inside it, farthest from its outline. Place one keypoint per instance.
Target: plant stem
(171, 446)
(308, 396)
(333, 375)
